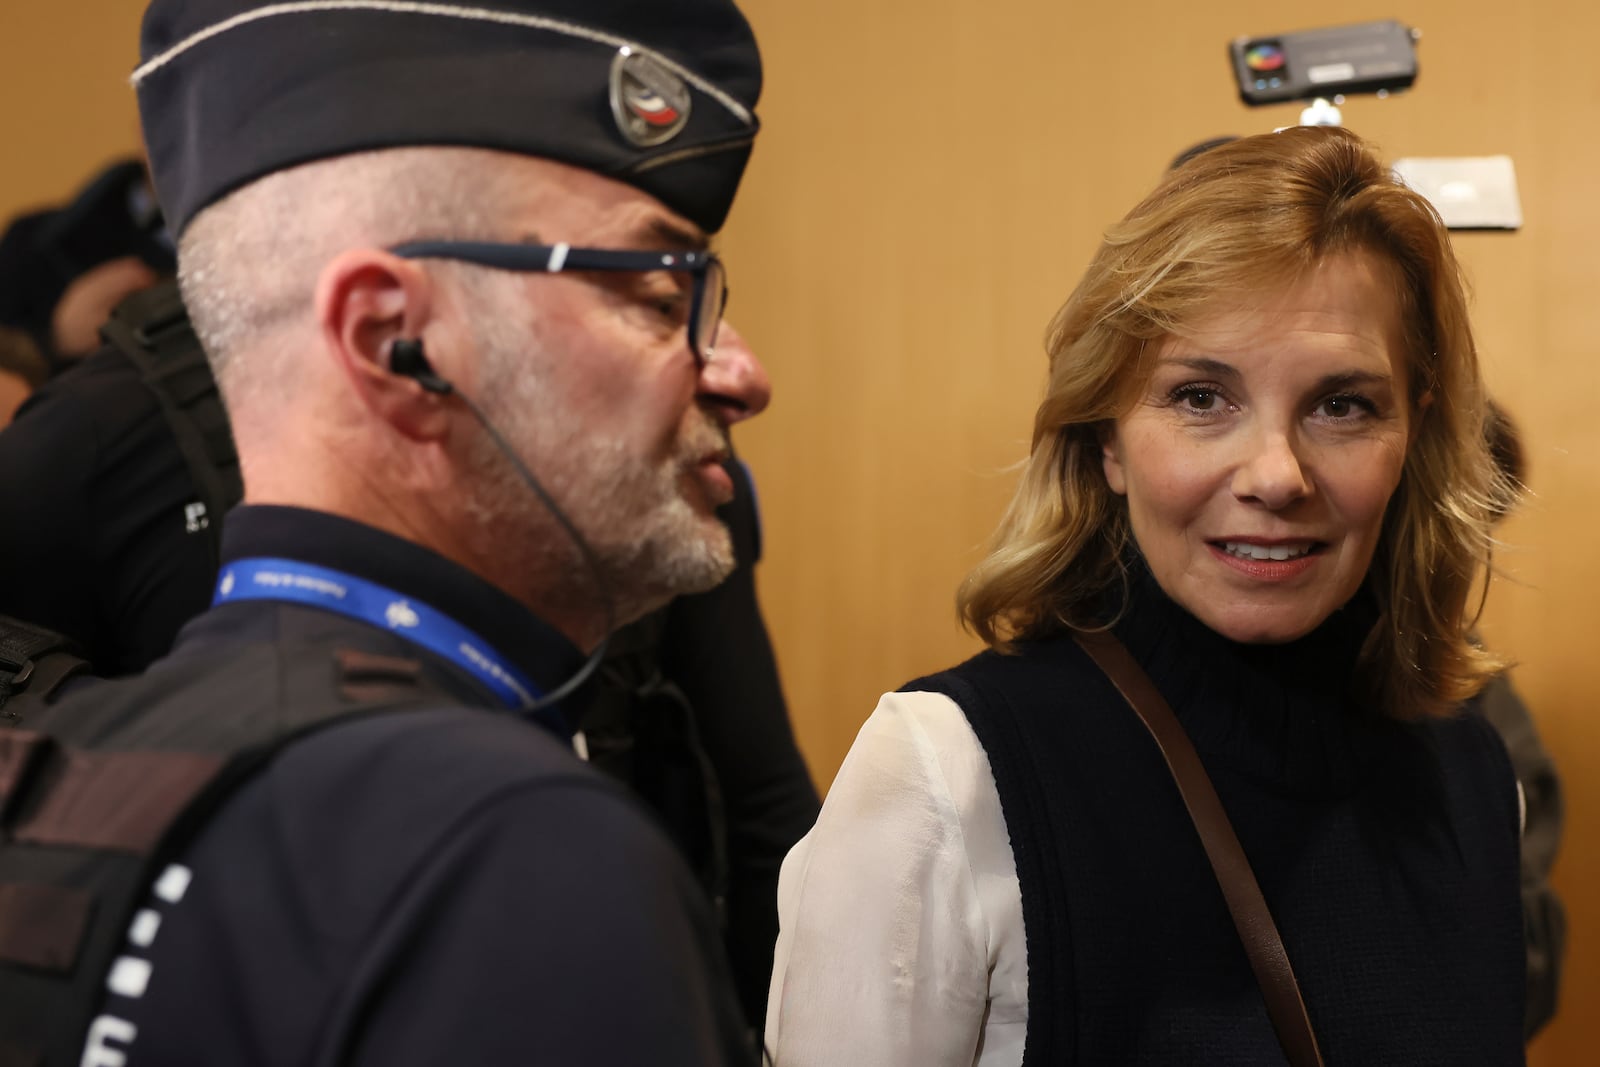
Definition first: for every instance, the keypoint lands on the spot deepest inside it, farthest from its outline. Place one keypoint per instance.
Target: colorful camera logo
(1264, 58)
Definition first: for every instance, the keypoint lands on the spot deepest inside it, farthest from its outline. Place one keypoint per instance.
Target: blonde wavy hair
(1254, 216)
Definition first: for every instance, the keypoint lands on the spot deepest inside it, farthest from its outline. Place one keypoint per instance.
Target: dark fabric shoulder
(1476, 764)
(102, 551)
(715, 648)
(93, 399)
(992, 676)
(690, 712)
(742, 515)
(382, 861)
(1544, 917)
(44, 536)
(421, 773)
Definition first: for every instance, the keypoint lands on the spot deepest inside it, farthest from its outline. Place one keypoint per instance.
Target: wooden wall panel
(68, 106)
(932, 179)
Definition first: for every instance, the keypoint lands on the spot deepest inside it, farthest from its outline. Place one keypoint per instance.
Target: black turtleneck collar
(353, 548)
(1287, 715)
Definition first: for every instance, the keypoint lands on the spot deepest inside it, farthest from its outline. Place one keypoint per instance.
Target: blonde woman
(1260, 465)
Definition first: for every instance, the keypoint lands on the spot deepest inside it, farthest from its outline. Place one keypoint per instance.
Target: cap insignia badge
(648, 100)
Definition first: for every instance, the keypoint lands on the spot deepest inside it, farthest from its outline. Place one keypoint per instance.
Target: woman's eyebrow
(1206, 365)
(1355, 379)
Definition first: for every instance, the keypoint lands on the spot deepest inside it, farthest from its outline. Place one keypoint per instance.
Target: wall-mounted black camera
(1371, 57)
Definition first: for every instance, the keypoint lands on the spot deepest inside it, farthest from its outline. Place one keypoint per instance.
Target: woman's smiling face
(1260, 456)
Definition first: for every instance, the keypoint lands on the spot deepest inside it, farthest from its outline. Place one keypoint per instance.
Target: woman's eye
(1197, 398)
(1343, 407)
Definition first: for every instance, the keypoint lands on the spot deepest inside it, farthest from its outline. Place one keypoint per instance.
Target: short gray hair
(248, 264)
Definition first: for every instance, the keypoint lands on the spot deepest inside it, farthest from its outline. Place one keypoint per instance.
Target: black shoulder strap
(152, 329)
(35, 661)
(84, 829)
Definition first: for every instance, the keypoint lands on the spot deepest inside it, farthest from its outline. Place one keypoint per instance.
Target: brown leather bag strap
(1251, 918)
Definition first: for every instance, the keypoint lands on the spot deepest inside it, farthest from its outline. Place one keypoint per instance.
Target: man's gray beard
(649, 541)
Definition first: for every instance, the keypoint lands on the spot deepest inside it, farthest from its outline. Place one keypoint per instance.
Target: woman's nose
(1272, 474)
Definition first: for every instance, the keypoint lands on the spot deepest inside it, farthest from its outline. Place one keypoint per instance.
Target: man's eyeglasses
(708, 296)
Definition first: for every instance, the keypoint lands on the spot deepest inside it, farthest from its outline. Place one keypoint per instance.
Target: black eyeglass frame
(554, 259)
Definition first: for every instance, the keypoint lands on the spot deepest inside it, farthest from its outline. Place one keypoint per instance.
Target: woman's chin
(1250, 626)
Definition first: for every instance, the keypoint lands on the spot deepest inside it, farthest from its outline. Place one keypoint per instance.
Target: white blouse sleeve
(901, 941)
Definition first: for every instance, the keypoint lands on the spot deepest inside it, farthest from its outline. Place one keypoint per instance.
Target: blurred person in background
(1544, 918)
(22, 370)
(63, 269)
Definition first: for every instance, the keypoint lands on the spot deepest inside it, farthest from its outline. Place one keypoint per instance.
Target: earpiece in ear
(406, 358)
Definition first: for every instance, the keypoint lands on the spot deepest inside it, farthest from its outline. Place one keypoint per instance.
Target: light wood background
(932, 179)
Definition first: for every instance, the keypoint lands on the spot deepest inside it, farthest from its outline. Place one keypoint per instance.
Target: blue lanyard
(302, 583)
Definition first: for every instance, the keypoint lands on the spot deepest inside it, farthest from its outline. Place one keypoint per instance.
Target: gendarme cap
(657, 95)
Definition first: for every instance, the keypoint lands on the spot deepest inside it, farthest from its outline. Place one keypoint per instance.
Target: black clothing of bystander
(1544, 918)
(690, 714)
(443, 885)
(102, 543)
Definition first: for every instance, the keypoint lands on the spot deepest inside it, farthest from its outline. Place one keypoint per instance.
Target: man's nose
(1271, 473)
(732, 380)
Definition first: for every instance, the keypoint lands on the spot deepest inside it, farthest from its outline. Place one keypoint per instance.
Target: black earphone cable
(602, 587)
(407, 359)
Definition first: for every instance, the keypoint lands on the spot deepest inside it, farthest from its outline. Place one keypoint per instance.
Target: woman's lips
(1274, 550)
(1268, 560)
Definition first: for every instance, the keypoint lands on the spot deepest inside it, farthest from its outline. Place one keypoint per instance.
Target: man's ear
(366, 300)
(1111, 457)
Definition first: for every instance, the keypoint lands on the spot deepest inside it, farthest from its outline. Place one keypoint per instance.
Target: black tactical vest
(96, 797)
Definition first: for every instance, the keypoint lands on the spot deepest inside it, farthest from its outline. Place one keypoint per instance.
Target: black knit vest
(1387, 853)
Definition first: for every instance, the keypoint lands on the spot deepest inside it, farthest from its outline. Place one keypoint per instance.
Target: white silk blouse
(901, 941)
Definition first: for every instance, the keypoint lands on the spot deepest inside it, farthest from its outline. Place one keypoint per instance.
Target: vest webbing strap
(67, 798)
(117, 801)
(152, 329)
(14, 1055)
(22, 648)
(21, 642)
(43, 925)
(21, 752)
(84, 829)
(1251, 917)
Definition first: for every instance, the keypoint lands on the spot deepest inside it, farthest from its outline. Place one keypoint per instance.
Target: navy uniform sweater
(440, 885)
